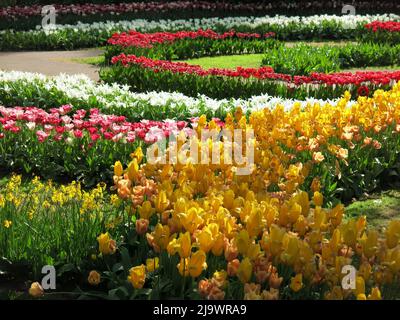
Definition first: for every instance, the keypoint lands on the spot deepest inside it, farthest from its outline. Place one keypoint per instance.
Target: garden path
(50, 62)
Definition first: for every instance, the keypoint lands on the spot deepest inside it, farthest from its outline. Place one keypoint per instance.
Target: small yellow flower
(7, 224)
(94, 278)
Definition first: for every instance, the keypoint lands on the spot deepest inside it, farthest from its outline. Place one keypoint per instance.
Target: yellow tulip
(162, 236)
(229, 197)
(291, 251)
(218, 246)
(36, 290)
(161, 202)
(360, 286)
(393, 233)
(254, 251)
(138, 155)
(152, 264)
(191, 219)
(294, 212)
(371, 244)
(137, 276)
(107, 246)
(205, 239)
(197, 263)
(118, 169)
(184, 245)
(361, 296)
(133, 170)
(183, 267)
(349, 232)
(375, 294)
(296, 283)
(318, 199)
(245, 270)
(94, 278)
(243, 242)
(146, 210)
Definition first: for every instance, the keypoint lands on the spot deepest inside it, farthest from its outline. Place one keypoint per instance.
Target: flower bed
(144, 74)
(29, 89)
(42, 223)
(81, 146)
(96, 34)
(187, 44)
(382, 31)
(205, 232)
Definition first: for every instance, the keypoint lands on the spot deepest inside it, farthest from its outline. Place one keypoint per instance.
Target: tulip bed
(201, 231)
(63, 146)
(120, 222)
(142, 60)
(29, 89)
(379, 31)
(82, 35)
(27, 17)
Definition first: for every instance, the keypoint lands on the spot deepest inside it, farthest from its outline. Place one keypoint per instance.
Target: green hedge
(303, 59)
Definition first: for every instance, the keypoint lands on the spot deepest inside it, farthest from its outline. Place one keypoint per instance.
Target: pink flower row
(82, 123)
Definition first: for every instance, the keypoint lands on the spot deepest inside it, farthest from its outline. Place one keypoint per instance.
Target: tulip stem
(184, 279)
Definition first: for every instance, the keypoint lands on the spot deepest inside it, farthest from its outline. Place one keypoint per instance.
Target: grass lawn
(97, 60)
(379, 208)
(229, 62)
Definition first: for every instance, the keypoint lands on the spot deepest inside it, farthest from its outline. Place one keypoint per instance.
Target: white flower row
(80, 87)
(346, 21)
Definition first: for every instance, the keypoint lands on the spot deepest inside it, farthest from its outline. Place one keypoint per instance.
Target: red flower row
(146, 40)
(391, 26)
(341, 78)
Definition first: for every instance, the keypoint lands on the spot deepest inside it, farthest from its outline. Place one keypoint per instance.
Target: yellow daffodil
(7, 224)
